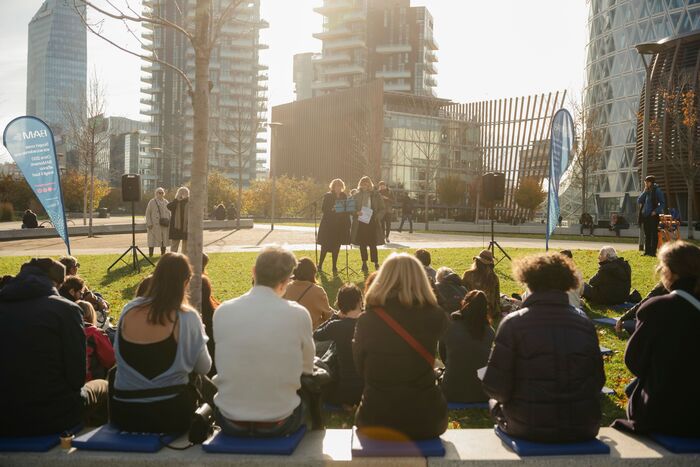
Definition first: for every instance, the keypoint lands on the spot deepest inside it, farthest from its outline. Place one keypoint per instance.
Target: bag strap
(688, 297)
(405, 335)
(160, 214)
(304, 293)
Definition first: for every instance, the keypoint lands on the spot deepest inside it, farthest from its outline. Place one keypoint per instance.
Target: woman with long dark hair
(160, 342)
(334, 229)
(368, 234)
(468, 342)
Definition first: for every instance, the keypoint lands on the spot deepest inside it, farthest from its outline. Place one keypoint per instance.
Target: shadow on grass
(125, 269)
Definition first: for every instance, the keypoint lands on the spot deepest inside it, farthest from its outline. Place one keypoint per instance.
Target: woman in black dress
(368, 234)
(334, 229)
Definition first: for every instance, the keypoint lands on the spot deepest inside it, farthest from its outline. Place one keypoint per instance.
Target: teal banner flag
(560, 144)
(30, 143)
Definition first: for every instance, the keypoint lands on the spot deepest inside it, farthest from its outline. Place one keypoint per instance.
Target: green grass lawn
(231, 276)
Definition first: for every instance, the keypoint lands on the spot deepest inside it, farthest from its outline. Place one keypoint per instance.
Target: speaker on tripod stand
(493, 190)
(131, 192)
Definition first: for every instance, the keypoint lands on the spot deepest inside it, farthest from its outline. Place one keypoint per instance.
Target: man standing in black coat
(651, 206)
(612, 283)
(545, 372)
(43, 368)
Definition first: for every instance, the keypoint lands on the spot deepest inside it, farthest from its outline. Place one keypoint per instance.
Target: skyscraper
(238, 100)
(56, 61)
(615, 77)
(365, 40)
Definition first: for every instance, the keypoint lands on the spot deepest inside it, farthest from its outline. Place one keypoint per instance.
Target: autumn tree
(452, 189)
(529, 194)
(75, 191)
(587, 150)
(203, 36)
(221, 189)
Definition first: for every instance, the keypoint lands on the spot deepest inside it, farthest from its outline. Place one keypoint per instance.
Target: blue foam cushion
(222, 443)
(110, 438)
(677, 444)
(31, 443)
(623, 306)
(605, 351)
(530, 448)
(605, 321)
(363, 446)
(467, 405)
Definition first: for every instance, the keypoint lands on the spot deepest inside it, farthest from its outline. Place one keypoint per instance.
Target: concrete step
(332, 447)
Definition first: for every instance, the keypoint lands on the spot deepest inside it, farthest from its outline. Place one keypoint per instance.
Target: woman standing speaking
(334, 229)
(178, 220)
(157, 222)
(367, 229)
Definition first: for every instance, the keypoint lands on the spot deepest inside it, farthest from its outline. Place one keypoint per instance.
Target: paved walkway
(294, 237)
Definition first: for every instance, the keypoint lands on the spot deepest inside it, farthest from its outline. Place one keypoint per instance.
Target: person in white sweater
(264, 344)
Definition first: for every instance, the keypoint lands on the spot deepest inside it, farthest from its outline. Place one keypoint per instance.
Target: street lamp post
(646, 50)
(272, 126)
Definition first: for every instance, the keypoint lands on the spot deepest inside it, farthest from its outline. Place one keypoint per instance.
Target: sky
(489, 49)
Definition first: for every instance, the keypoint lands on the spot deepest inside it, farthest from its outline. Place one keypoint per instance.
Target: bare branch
(223, 17)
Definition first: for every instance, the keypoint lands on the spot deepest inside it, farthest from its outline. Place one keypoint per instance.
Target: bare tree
(587, 149)
(203, 38)
(85, 124)
(676, 134)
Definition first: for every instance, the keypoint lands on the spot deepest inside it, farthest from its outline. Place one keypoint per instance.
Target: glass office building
(615, 77)
(56, 61)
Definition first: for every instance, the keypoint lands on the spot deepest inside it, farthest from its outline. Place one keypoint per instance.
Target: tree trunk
(85, 196)
(92, 195)
(691, 199)
(427, 190)
(240, 184)
(200, 153)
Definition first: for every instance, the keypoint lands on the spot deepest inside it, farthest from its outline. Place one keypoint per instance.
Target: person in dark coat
(334, 229)
(450, 291)
(630, 316)
(651, 205)
(347, 385)
(545, 371)
(612, 283)
(43, 389)
(468, 342)
(401, 398)
(29, 220)
(661, 351)
(371, 234)
(388, 199)
(178, 220)
(406, 212)
(219, 212)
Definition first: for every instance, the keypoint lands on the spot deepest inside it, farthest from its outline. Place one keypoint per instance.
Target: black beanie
(53, 269)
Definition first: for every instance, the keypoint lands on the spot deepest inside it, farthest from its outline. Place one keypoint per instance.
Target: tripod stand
(493, 244)
(133, 248)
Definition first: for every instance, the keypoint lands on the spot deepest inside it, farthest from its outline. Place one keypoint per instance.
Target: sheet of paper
(365, 215)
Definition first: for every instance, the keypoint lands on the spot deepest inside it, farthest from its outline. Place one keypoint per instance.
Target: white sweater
(263, 345)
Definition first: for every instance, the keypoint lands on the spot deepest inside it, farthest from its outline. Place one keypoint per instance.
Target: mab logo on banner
(25, 135)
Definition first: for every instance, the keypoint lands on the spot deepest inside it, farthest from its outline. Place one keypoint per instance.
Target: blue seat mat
(363, 446)
(110, 438)
(605, 351)
(623, 306)
(467, 405)
(221, 443)
(41, 443)
(605, 321)
(525, 448)
(677, 444)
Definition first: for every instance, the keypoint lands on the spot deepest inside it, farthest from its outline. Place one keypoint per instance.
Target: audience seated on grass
(72, 288)
(481, 276)
(575, 294)
(98, 302)
(468, 341)
(449, 289)
(394, 352)
(612, 283)
(264, 344)
(160, 343)
(209, 304)
(546, 360)
(425, 259)
(304, 290)
(346, 387)
(664, 349)
(99, 350)
(43, 388)
(631, 314)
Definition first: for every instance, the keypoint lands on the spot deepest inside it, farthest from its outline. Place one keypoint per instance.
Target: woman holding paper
(366, 225)
(334, 229)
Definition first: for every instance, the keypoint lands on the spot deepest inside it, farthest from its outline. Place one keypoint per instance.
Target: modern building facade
(238, 100)
(304, 74)
(56, 62)
(131, 153)
(363, 40)
(674, 121)
(615, 76)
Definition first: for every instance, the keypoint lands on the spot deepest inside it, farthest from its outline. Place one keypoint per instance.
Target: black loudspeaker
(131, 187)
(493, 187)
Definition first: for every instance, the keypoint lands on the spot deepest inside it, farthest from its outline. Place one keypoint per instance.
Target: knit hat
(650, 178)
(485, 256)
(53, 269)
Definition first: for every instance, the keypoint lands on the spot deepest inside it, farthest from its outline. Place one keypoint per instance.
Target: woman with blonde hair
(178, 220)
(334, 229)
(157, 222)
(394, 352)
(368, 234)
